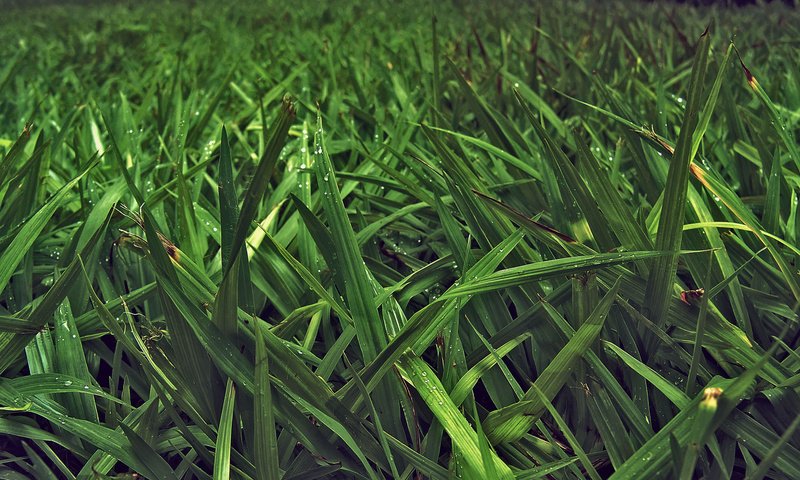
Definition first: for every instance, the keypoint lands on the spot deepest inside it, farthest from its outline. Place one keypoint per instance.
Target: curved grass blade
(510, 423)
(461, 433)
(11, 344)
(22, 242)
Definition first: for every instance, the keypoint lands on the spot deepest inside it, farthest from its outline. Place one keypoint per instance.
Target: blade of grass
(222, 449)
(265, 449)
(670, 227)
(510, 423)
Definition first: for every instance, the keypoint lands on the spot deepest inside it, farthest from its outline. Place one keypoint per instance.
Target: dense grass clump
(346, 241)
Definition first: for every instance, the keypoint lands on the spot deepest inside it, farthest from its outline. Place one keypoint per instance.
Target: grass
(263, 241)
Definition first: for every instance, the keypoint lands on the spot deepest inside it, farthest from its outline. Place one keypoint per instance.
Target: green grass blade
(461, 433)
(261, 177)
(510, 423)
(265, 448)
(670, 227)
(222, 449)
(22, 242)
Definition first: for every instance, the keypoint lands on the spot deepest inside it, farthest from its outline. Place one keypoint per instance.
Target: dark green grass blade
(222, 450)
(670, 228)
(576, 187)
(265, 449)
(510, 423)
(261, 177)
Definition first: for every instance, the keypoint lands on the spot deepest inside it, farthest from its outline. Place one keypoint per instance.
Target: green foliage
(303, 240)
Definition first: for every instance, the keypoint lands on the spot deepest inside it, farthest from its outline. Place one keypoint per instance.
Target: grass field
(490, 240)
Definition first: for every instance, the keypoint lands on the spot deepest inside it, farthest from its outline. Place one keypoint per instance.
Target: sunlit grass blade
(461, 433)
(738, 208)
(19, 246)
(222, 450)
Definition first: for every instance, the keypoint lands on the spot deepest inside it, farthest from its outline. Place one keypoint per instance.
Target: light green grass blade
(737, 207)
(13, 344)
(222, 449)
(70, 359)
(22, 242)
(461, 433)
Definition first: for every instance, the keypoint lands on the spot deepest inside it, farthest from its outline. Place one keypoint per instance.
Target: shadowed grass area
(268, 241)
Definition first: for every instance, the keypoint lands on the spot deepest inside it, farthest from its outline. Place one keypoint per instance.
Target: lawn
(346, 240)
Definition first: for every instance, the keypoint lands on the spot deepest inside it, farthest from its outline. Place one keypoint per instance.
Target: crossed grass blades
(506, 243)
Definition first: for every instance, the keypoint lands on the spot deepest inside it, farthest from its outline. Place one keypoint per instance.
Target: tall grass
(341, 241)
